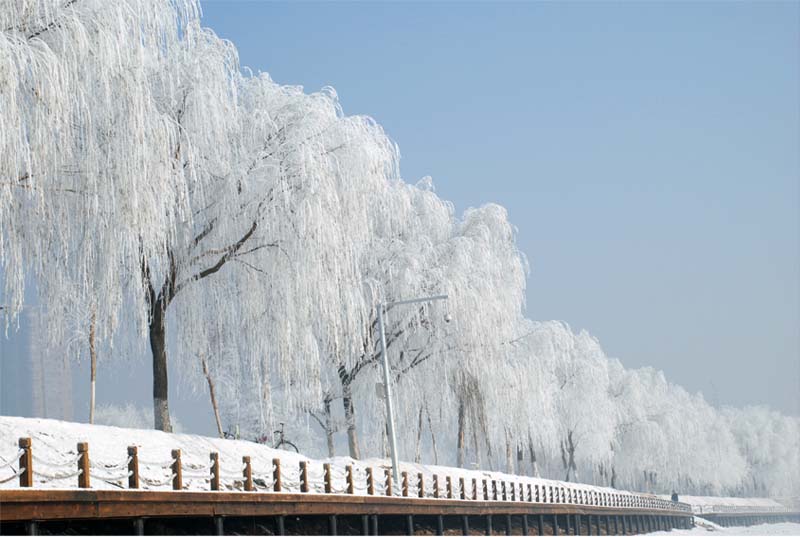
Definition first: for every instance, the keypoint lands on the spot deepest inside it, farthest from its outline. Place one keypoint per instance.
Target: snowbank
(721, 504)
(54, 448)
(782, 528)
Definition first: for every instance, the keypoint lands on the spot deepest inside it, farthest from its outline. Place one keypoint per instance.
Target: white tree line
(167, 200)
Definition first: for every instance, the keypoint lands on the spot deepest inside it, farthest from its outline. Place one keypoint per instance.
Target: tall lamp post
(386, 380)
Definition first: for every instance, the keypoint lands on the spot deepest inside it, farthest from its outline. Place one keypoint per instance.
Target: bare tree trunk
(477, 446)
(488, 442)
(565, 461)
(509, 457)
(418, 450)
(213, 396)
(462, 419)
(571, 450)
(350, 419)
(534, 465)
(92, 365)
(329, 429)
(158, 346)
(613, 477)
(433, 436)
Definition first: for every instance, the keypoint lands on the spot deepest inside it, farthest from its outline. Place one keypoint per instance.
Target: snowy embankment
(722, 504)
(55, 457)
(54, 447)
(703, 527)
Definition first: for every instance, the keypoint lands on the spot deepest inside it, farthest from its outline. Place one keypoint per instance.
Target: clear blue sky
(648, 154)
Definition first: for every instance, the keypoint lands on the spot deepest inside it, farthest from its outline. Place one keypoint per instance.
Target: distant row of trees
(242, 232)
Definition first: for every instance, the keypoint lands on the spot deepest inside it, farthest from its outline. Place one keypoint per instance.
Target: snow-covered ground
(718, 504)
(54, 445)
(703, 527)
(54, 448)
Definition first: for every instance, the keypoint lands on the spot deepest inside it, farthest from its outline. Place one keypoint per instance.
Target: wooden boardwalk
(305, 513)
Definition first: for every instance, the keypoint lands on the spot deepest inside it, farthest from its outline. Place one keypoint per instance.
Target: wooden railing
(316, 477)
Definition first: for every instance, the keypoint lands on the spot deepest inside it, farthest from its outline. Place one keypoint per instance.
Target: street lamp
(386, 381)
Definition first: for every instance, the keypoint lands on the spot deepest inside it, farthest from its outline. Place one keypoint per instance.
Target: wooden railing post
(326, 476)
(133, 467)
(177, 469)
(247, 473)
(276, 475)
(420, 485)
(494, 490)
(351, 488)
(404, 478)
(474, 488)
(503, 489)
(388, 487)
(25, 463)
(530, 493)
(214, 457)
(370, 481)
(84, 481)
(463, 488)
(435, 485)
(513, 487)
(449, 485)
(485, 490)
(303, 476)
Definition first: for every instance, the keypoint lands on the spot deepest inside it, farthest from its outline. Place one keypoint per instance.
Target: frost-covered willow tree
(768, 441)
(86, 187)
(667, 439)
(529, 393)
(180, 183)
(645, 419)
(399, 261)
(584, 414)
(417, 248)
(420, 249)
(274, 223)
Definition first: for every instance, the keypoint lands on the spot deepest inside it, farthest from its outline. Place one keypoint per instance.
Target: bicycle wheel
(287, 443)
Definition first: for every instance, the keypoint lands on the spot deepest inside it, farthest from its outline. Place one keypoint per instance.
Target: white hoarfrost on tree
(768, 441)
(167, 202)
(581, 406)
(185, 191)
(420, 250)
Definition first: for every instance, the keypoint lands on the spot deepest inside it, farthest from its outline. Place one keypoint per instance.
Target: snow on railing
(316, 477)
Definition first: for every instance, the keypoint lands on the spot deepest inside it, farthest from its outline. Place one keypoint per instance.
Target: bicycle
(282, 441)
